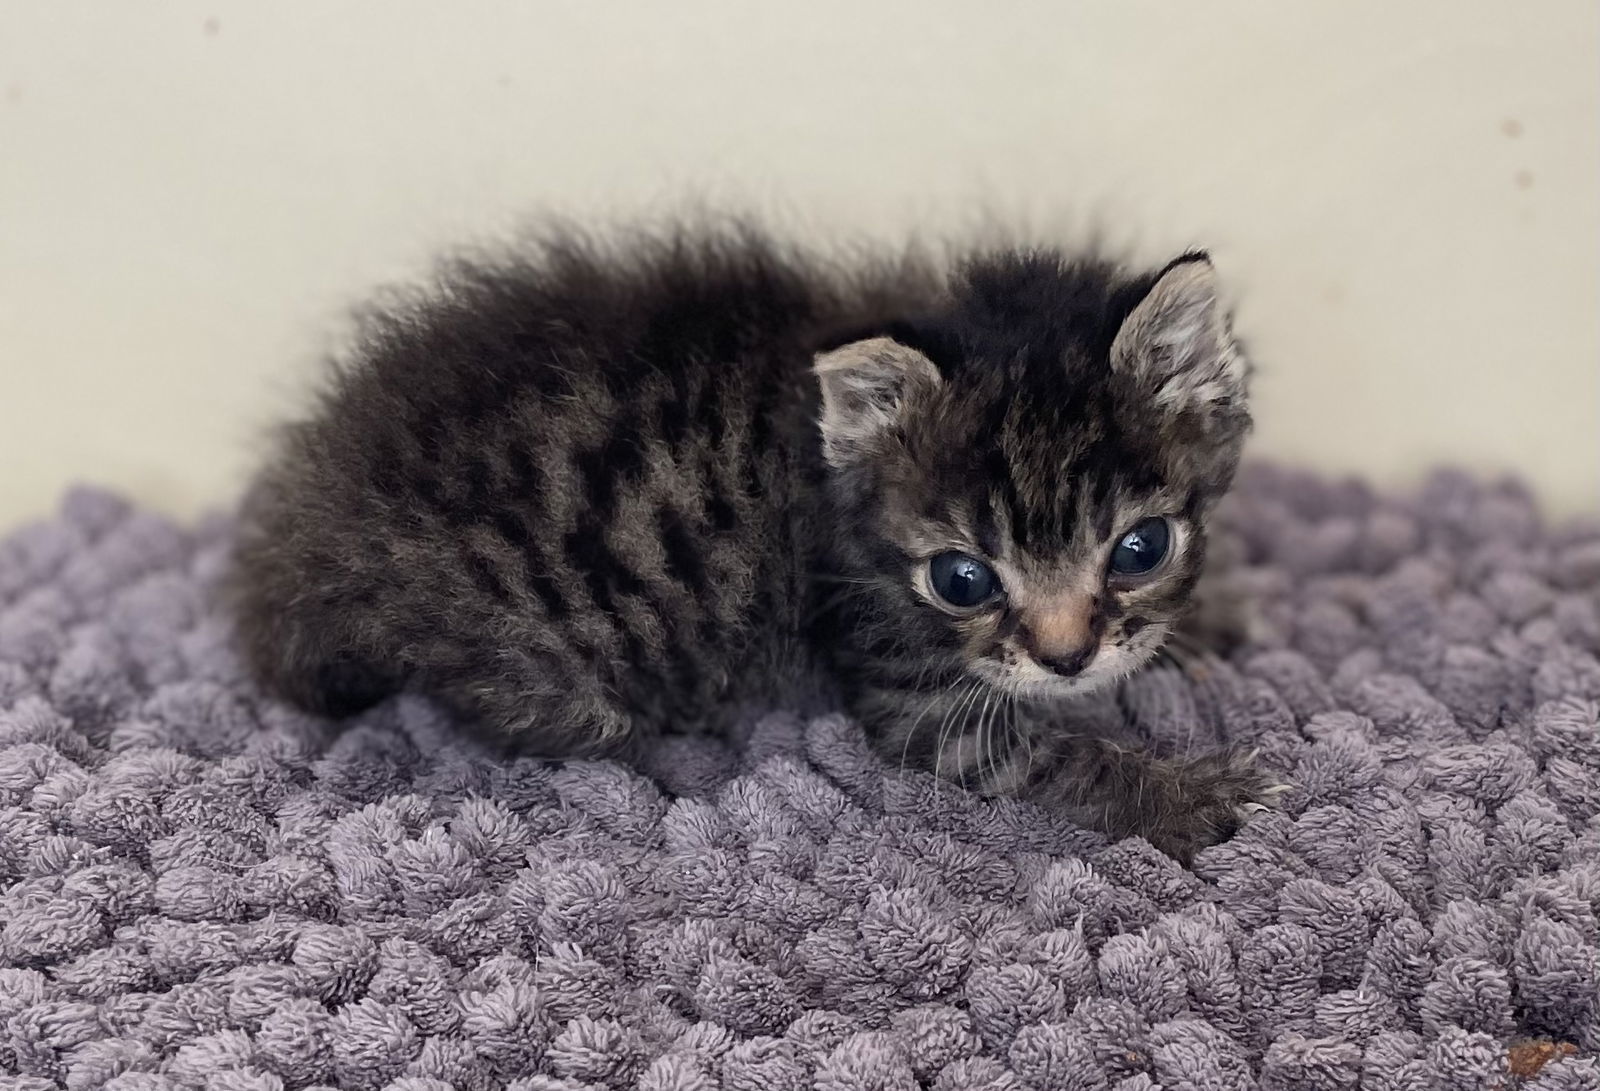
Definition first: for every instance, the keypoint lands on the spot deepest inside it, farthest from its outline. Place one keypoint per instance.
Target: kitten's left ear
(865, 388)
(1176, 348)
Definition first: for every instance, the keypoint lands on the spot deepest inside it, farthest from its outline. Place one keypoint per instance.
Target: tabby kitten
(617, 488)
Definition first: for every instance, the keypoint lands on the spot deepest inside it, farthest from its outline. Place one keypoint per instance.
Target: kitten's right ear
(865, 386)
(1175, 347)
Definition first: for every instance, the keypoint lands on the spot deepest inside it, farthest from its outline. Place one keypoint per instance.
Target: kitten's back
(563, 490)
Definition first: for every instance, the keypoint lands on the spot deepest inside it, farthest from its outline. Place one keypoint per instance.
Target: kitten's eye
(1143, 548)
(962, 580)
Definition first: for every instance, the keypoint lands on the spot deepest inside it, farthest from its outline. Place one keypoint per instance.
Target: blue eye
(962, 580)
(1143, 548)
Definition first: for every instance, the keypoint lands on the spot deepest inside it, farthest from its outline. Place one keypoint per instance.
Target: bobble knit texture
(203, 889)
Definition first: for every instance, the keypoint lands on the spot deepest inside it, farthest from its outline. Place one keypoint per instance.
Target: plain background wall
(1403, 195)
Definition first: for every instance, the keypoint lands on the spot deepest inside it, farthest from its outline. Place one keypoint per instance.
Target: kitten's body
(587, 498)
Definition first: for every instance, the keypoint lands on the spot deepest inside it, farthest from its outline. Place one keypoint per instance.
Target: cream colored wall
(1404, 195)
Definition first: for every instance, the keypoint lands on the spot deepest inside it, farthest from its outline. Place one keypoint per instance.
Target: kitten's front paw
(1205, 801)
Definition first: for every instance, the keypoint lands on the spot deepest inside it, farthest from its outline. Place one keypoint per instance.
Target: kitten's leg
(336, 686)
(1179, 805)
(343, 686)
(535, 702)
(304, 655)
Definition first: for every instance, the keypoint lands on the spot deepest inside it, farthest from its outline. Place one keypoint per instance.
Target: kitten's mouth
(1034, 682)
(1025, 679)
(1055, 687)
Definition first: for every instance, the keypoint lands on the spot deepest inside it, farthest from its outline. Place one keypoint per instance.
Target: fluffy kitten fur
(622, 487)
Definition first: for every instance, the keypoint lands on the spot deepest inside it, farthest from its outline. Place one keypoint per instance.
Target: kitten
(618, 488)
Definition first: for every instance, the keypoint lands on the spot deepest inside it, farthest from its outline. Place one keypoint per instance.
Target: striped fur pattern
(639, 484)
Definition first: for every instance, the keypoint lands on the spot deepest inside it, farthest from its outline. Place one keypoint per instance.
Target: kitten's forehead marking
(1065, 469)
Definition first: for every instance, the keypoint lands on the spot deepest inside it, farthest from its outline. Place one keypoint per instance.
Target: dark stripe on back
(386, 476)
(604, 573)
(672, 414)
(710, 415)
(683, 559)
(484, 577)
(524, 477)
(478, 485)
(604, 468)
(756, 442)
(427, 487)
(511, 526)
(724, 517)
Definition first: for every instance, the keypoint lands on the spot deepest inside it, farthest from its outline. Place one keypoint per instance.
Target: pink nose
(1060, 633)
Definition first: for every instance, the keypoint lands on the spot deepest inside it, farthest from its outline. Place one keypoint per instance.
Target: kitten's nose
(1070, 664)
(1063, 635)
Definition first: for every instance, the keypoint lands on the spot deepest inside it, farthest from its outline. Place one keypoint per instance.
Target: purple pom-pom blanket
(200, 888)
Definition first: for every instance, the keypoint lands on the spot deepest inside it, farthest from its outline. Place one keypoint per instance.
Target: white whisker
(927, 707)
(984, 748)
(945, 722)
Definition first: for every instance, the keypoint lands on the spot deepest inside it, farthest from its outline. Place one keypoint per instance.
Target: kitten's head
(1023, 477)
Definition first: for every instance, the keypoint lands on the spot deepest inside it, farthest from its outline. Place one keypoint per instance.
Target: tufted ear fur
(1175, 348)
(865, 385)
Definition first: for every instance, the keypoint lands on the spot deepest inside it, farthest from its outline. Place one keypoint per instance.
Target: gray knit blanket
(205, 889)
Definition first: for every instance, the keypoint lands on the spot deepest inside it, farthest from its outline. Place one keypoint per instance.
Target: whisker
(833, 577)
(958, 714)
(984, 747)
(927, 707)
(1017, 736)
(991, 734)
(938, 751)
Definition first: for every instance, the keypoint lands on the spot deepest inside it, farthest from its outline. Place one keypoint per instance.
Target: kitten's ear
(865, 386)
(1176, 348)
